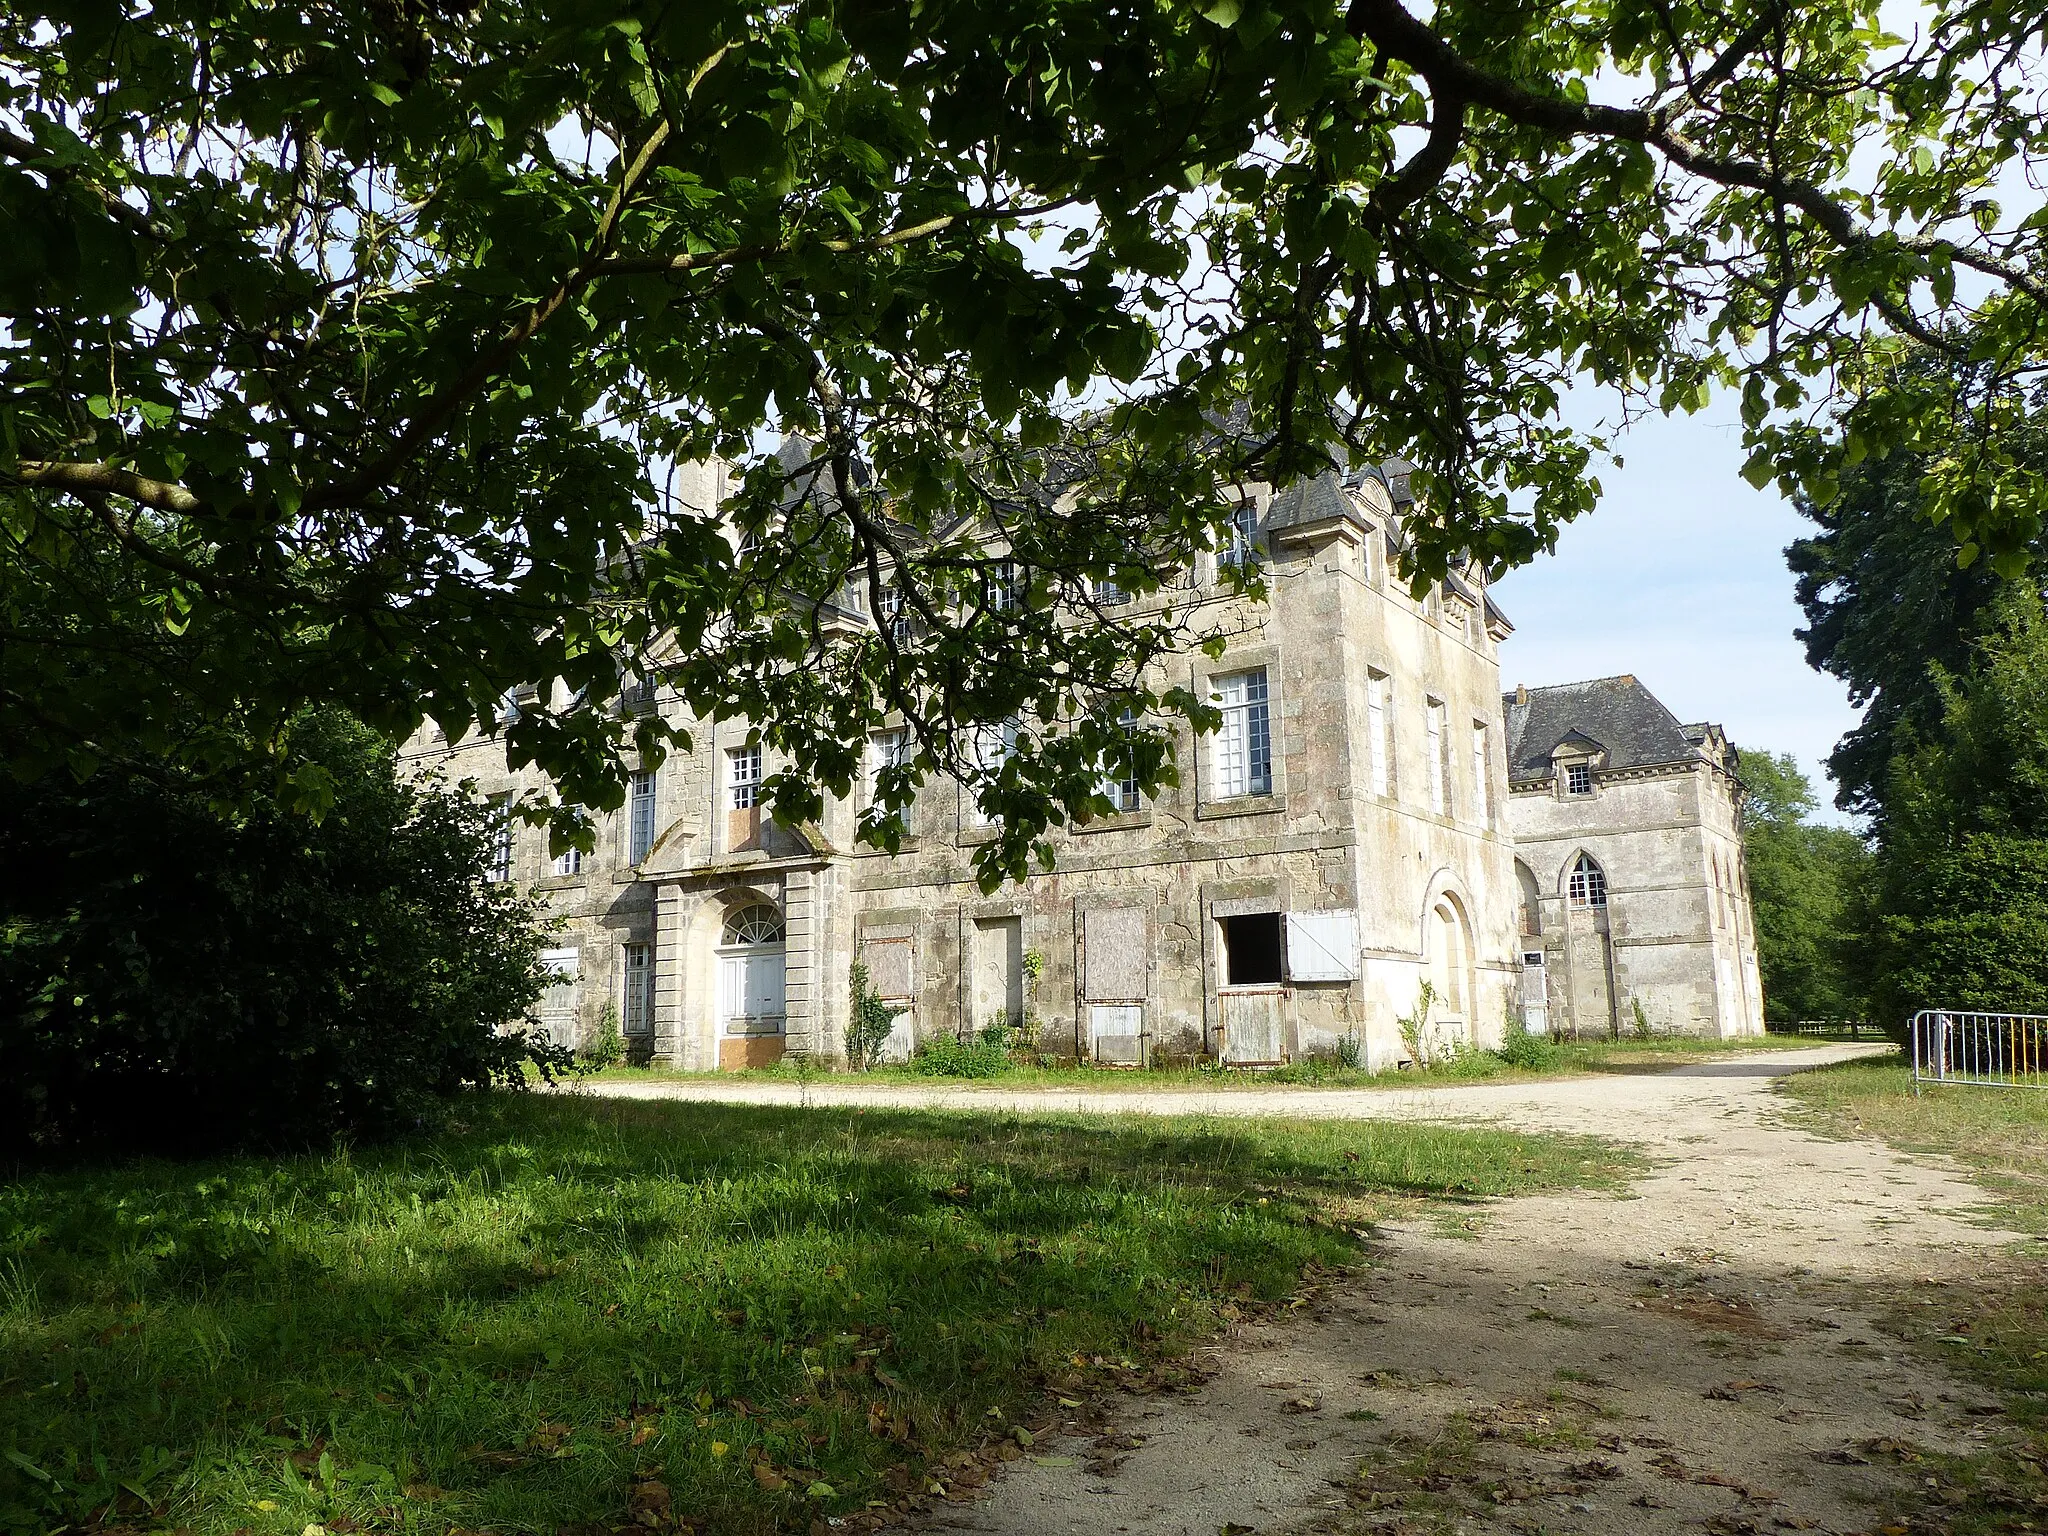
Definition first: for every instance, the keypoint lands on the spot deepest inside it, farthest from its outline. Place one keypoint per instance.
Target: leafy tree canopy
(353, 349)
(1807, 887)
(1886, 602)
(1963, 896)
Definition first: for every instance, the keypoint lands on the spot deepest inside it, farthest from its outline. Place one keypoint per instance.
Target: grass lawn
(588, 1315)
(1564, 1059)
(1994, 1327)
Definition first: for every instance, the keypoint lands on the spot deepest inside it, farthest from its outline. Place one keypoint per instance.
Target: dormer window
(1578, 778)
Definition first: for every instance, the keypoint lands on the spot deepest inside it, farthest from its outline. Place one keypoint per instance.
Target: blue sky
(1678, 576)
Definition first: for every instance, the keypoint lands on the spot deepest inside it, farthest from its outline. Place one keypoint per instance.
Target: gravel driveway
(1697, 1355)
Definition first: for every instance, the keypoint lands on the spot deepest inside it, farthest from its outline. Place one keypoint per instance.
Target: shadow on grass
(502, 1326)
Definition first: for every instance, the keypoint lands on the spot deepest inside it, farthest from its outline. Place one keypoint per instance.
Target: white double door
(751, 999)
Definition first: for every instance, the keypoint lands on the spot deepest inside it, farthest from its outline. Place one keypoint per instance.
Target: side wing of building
(1635, 897)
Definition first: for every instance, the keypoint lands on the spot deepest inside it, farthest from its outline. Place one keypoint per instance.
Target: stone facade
(1340, 841)
(1629, 859)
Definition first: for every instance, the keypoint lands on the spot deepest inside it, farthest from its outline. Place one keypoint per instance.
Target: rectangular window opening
(637, 1012)
(1578, 778)
(1379, 741)
(1482, 780)
(1244, 746)
(1437, 752)
(743, 777)
(1251, 950)
(1240, 548)
(640, 817)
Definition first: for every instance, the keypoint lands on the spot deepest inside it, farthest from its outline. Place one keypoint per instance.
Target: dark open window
(1251, 950)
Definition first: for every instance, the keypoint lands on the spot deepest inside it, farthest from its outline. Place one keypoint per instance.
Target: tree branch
(1390, 28)
(106, 480)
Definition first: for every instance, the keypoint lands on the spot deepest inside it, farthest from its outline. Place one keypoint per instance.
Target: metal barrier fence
(1989, 1050)
(1830, 1029)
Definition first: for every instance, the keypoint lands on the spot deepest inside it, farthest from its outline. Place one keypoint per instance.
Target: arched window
(1532, 904)
(1588, 887)
(754, 925)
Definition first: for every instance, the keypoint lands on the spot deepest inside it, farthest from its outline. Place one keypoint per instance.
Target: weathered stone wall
(1406, 890)
(1676, 934)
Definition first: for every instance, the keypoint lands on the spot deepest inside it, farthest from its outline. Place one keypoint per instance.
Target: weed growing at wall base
(699, 1317)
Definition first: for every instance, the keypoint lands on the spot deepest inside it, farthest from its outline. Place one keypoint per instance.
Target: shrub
(607, 1048)
(179, 976)
(1531, 1052)
(987, 1055)
(868, 1030)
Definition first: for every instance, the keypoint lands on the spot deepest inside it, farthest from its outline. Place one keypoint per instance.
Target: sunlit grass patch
(586, 1313)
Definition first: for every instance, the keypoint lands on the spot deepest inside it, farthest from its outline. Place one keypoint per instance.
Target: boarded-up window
(1114, 939)
(1322, 946)
(888, 963)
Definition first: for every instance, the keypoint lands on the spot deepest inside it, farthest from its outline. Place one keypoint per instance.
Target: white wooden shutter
(1322, 946)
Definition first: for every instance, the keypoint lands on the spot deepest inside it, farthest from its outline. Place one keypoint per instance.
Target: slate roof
(1618, 713)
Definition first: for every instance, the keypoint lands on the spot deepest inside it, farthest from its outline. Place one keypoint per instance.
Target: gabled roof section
(1618, 714)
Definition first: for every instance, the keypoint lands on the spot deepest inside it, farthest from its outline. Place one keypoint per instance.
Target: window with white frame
(1379, 737)
(636, 1008)
(1482, 778)
(1244, 746)
(1588, 884)
(994, 745)
(1109, 594)
(1578, 778)
(886, 749)
(1005, 585)
(896, 615)
(1241, 539)
(1120, 784)
(640, 816)
(501, 837)
(568, 862)
(743, 777)
(1436, 754)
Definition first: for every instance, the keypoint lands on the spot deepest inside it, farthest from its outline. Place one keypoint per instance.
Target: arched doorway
(752, 1012)
(1589, 953)
(1450, 970)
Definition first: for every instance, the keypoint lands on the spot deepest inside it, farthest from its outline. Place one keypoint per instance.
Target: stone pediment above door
(673, 849)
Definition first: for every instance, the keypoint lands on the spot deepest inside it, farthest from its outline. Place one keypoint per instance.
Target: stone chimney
(1521, 693)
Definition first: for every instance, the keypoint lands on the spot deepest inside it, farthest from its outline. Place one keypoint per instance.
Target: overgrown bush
(606, 1048)
(1531, 1052)
(986, 1055)
(868, 1030)
(177, 976)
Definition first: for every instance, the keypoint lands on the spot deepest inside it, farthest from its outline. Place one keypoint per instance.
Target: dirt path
(1698, 1356)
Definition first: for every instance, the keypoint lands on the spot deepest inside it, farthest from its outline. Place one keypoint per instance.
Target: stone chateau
(1371, 816)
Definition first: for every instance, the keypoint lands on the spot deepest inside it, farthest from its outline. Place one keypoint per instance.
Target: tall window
(1379, 739)
(886, 749)
(1482, 780)
(637, 1012)
(896, 615)
(743, 777)
(1436, 754)
(501, 837)
(640, 817)
(994, 745)
(1240, 544)
(1588, 884)
(1244, 747)
(1120, 784)
(1005, 585)
(1578, 778)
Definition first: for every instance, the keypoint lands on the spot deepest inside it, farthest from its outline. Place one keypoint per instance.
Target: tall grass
(505, 1327)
